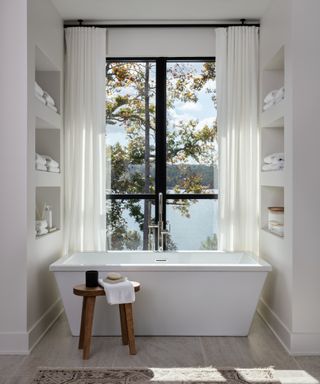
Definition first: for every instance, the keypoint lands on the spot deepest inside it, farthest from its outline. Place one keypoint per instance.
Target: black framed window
(161, 137)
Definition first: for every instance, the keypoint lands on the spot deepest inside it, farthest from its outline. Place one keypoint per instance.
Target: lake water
(188, 233)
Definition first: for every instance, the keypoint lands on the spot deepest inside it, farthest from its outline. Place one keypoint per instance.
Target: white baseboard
(294, 342)
(22, 343)
(14, 343)
(42, 325)
(276, 325)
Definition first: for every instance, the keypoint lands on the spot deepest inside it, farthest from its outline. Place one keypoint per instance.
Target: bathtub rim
(260, 265)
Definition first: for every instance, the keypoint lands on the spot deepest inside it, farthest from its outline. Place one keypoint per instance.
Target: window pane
(130, 127)
(193, 224)
(128, 223)
(191, 128)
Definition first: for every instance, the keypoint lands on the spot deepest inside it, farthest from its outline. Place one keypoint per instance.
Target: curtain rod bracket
(80, 21)
(242, 21)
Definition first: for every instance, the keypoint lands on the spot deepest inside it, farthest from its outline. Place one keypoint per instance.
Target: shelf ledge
(274, 116)
(272, 233)
(272, 178)
(45, 117)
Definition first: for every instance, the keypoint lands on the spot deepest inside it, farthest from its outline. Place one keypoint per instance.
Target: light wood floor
(260, 349)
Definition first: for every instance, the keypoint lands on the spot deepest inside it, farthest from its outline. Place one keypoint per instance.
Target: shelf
(45, 117)
(47, 234)
(273, 117)
(272, 178)
(48, 179)
(266, 230)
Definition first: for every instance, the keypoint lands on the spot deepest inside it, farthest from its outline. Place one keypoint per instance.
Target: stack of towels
(44, 97)
(41, 227)
(273, 162)
(46, 163)
(274, 97)
(118, 289)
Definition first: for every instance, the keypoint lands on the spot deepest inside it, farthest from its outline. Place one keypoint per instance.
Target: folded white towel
(53, 169)
(40, 159)
(37, 89)
(274, 158)
(40, 98)
(42, 232)
(120, 293)
(54, 108)
(49, 99)
(50, 162)
(273, 167)
(41, 167)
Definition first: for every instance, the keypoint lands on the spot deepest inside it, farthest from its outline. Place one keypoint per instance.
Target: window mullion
(161, 117)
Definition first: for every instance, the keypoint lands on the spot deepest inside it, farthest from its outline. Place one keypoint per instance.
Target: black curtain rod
(108, 26)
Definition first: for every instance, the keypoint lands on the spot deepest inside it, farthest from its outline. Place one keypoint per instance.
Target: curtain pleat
(85, 220)
(237, 116)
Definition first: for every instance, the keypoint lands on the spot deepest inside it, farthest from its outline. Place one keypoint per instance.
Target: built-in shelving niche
(49, 196)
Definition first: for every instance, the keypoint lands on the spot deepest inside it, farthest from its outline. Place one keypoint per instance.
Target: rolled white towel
(274, 158)
(37, 89)
(49, 99)
(53, 169)
(41, 167)
(50, 161)
(270, 96)
(40, 159)
(120, 293)
(273, 167)
(40, 98)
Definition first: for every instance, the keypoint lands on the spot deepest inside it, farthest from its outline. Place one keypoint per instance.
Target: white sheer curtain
(85, 139)
(237, 100)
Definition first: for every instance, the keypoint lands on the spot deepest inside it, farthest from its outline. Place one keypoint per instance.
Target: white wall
(45, 31)
(293, 309)
(27, 290)
(306, 177)
(13, 173)
(162, 42)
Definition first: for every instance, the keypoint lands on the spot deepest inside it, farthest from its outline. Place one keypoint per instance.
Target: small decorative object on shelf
(47, 214)
(92, 279)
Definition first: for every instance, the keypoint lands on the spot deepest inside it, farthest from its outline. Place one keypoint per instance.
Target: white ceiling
(160, 9)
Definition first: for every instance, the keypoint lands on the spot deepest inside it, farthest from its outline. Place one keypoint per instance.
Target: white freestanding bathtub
(193, 293)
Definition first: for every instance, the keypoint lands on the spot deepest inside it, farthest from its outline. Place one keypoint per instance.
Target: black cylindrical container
(92, 279)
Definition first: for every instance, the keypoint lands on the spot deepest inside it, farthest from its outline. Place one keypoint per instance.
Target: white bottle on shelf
(47, 215)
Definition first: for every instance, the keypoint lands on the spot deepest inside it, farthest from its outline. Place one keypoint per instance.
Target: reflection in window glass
(193, 224)
(127, 228)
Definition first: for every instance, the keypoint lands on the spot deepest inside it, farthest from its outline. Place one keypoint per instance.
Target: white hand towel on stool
(119, 293)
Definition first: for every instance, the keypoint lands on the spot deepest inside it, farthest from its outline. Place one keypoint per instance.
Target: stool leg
(123, 322)
(130, 330)
(89, 311)
(83, 321)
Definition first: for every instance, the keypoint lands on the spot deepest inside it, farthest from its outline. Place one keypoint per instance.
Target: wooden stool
(126, 318)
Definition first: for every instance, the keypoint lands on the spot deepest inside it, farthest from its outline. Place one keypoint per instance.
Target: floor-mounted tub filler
(193, 293)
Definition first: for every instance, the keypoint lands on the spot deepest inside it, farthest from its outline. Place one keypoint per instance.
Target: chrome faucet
(158, 230)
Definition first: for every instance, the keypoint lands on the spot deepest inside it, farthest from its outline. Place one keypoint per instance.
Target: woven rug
(154, 375)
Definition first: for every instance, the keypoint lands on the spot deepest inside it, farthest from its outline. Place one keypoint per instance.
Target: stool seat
(89, 295)
(83, 290)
